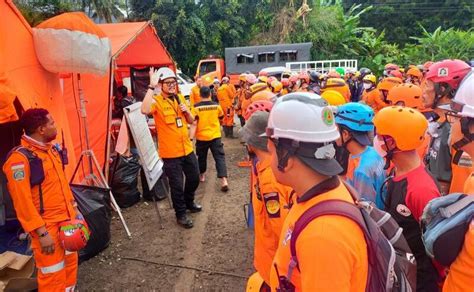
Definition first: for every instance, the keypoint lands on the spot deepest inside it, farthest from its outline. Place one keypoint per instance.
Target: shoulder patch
(272, 204)
(18, 170)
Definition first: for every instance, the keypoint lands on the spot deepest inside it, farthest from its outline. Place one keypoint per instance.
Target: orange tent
(24, 79)
(133, 44)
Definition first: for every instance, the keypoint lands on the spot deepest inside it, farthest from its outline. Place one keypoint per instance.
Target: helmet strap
(389, 156)
(282, 156)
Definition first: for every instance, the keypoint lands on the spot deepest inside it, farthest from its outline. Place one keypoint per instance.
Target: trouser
(228, 119)
(228, 131)
(174, 169)
(57, 271)
(217, 150)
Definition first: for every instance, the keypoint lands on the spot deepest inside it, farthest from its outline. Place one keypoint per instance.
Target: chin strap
(467, 138)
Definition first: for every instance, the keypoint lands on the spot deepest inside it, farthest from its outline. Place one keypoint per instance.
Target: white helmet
(303, 117)
(463, 102)
(165, 73)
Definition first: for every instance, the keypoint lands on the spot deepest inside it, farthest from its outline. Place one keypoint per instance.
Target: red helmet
(73, 234)
(285, 82)
(262, 73)
(396, 73)
(259, 105)
(304, 77)
(293, 79)
(450, 72)
(251, 79)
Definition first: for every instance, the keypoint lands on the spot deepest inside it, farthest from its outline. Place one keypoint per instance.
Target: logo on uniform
(328, 116)
(403, 210)
(18, 170)
(443, 72)
(273, 206)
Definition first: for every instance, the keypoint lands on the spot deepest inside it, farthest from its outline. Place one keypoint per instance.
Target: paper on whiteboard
(151, 162)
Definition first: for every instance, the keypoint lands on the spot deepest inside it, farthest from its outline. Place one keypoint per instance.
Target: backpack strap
(31, 156)
(329, 207)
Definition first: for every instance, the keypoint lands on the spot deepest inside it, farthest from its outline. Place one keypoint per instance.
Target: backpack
(445, 221)
(392, 265)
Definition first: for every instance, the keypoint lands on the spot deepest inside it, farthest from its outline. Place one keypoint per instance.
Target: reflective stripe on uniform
(69, 252)
(70, 288)
(52, 269)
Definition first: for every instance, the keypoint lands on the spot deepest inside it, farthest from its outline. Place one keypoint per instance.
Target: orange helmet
(415, 72)
(388, 82)
(276, 86)
(406, 94)
(335, 82)
(333, 74)
(264, 94)
(73, 234)
(263, 105)
(405, 125)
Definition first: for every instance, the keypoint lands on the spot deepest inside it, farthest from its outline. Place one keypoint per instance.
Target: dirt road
(219, 242)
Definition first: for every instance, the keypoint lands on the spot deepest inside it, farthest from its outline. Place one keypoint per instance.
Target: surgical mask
(367, 86)
(378, 147)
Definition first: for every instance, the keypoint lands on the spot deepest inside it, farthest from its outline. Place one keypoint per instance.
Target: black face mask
(342, 156)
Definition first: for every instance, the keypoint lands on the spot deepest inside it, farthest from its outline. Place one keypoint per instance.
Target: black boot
(185, 222)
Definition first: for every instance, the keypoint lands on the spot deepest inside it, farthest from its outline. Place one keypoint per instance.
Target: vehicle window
(207, 67)
(266, 57)
(185, 77)
(244, 59)
(286, 56)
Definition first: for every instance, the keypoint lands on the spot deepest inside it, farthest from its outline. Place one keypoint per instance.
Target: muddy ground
(220, 244)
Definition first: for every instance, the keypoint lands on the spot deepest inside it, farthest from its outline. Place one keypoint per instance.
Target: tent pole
(82, 102)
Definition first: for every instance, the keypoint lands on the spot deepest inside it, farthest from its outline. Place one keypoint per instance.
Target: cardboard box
(16, 271)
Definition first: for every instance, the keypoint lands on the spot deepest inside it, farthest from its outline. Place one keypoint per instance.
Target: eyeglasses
(451, 117)
(170, 83)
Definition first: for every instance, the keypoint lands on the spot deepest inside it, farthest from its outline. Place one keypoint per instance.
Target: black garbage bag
(124, 180)
(159, 190)
(94, 204)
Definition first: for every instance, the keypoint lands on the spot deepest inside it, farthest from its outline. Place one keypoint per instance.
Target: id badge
(179, 122)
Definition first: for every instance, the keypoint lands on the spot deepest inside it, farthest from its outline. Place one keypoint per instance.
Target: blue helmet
(355, 116)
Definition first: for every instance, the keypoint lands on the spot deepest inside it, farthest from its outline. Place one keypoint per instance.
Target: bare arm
(148, 99)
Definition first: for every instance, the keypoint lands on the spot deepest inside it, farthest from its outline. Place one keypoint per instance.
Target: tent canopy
(133, 44)
(136, 44)
(24, 77)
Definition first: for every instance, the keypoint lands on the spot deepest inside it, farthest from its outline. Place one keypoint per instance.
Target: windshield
(207, 67)
(185, 77)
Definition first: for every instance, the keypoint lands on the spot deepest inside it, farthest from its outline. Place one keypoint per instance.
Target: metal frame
(323, 66)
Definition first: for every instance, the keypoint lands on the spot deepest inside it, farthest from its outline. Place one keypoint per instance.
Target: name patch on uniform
(272, 204)
(18, 170)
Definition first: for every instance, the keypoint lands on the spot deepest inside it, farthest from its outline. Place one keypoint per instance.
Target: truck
(252, 59)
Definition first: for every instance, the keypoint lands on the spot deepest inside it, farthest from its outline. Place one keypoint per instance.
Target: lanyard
(172, 105)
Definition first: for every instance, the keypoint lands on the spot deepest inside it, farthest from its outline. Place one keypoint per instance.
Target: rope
(185, 267)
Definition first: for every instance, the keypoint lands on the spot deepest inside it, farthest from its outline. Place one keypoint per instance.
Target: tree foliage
(373, 31)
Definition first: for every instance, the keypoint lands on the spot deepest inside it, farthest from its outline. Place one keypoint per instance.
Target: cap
(361, 137)
(320, 158)
(251, 132)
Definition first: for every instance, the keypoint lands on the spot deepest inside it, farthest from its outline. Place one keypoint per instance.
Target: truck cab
(210, 68)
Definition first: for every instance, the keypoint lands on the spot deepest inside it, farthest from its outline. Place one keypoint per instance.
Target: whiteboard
(149, 158)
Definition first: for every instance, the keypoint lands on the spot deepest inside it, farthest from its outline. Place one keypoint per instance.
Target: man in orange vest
(194, 96)
(41, 207)
(172, 118)
(331, 250)
(270, 200)
(226, 94)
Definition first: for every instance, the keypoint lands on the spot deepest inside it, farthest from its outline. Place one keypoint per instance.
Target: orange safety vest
(270, 201)
(372, 99)
(171, 126)
(332, 252)
(225, 95)
(195, 95)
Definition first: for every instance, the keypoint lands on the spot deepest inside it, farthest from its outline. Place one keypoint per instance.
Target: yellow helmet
(254, 283)
(370, 77)
(277, 86)
(333, 97)
(242, 77)
(263, 79)
(335, 82)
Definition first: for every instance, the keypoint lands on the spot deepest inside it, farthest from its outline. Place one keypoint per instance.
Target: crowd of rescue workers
(351, 174)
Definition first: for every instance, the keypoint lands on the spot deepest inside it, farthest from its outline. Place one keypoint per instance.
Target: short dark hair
(205, 91)
(123, 90)
(33, 118)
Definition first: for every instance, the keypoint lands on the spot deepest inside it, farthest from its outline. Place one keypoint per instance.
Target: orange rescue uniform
(461, 273)
(226, 95)
(171, 126)
(270, 201)
(195, 95)
(469, 185)
(372, 99)
(57, 271)
(332, 253)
